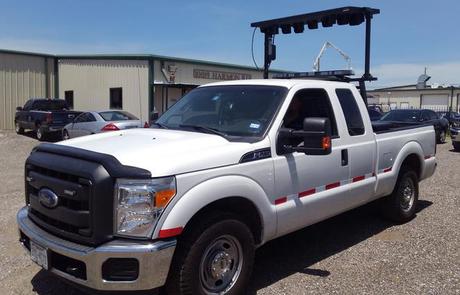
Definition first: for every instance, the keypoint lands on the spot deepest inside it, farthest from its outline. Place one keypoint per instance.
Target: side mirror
(316, 135)
(18, 108)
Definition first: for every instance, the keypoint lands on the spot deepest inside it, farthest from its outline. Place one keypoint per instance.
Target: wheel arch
(235, 194)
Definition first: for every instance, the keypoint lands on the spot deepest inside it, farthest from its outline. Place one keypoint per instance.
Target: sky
(407, 35)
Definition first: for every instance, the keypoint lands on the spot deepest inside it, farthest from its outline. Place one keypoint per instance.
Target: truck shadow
(296, 252)
(278, 259)
(51, 138)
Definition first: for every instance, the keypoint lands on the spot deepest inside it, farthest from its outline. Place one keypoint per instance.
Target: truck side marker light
(171, 232)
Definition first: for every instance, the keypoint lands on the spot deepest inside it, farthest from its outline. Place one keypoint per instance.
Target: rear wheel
(39, 133)
(215, 257)
(400, 206)
(18, 128)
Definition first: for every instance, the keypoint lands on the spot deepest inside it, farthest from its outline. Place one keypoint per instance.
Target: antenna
(326, 45)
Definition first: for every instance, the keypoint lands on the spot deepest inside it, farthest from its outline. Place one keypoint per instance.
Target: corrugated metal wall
(91, 80)
(22, 77)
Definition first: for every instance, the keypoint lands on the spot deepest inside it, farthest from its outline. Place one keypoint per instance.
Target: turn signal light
(146, 125)
(162, 197)
(326, 143)
(110, 127)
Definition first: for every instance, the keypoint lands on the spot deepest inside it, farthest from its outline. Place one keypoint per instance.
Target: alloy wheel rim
(17, 127)
(39, 133)
(408, 195)
(221, 265)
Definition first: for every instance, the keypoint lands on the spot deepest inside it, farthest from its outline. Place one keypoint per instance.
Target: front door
(309, 188)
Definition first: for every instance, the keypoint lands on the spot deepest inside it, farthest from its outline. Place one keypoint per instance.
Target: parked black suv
(44, 116)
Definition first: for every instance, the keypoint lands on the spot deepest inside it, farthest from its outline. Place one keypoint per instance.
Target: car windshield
(117, 116)
(401, 116)
(237, 110)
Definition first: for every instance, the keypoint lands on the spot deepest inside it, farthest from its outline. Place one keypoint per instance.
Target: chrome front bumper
(154, 257)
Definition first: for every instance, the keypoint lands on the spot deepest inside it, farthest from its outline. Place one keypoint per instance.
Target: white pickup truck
(229, 167)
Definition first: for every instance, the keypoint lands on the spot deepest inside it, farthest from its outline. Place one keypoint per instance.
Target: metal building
(23, 75)
(140, 84)
(410, 97)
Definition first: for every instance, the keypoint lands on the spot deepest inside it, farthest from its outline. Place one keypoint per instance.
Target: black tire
(456, 146)
(18, 128)
(65, 134)
(39, 134)
(441, 137)
(398, 207)
(192, 267)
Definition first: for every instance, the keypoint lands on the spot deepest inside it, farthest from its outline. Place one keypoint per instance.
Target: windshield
(240, 110)
(117, 116)
(402, 116)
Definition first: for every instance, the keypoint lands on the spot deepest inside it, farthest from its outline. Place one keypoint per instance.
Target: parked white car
(96, 122)
(229, 167)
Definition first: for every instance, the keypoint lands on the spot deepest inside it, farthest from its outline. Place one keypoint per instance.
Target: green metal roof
(138, 57)
(160, 57)
(26, 53)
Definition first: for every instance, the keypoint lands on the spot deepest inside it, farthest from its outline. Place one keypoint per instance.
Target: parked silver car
(95, 122)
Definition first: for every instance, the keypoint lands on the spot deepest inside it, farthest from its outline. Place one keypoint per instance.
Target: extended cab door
(309, 188)
(360, 145)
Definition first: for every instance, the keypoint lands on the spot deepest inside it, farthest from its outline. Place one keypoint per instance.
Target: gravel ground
(354, 253)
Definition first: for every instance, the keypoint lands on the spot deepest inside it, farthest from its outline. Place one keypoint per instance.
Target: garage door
(436, 102)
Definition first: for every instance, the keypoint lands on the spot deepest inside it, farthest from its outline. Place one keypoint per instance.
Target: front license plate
(39, 255)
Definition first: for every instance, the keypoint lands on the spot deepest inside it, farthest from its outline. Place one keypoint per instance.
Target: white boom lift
(326, 45)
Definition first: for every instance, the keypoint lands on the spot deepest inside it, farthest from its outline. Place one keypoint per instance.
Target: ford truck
(232, 165)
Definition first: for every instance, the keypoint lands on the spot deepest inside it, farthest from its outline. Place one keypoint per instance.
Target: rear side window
(351, 112)
(117, 116)
(433, 115)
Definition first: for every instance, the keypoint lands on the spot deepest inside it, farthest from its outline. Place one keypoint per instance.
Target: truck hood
(164, 152)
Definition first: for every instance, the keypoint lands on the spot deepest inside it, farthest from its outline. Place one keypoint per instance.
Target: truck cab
(229, 167)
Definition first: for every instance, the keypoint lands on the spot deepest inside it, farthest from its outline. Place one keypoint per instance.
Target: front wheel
(400, 206)
(215, 257)
(456, 146)
(442, 136)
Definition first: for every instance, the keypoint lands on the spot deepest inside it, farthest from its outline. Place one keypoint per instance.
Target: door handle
(344, 157)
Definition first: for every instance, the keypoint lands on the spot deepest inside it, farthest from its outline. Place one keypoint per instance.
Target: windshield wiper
(161, 125)
(204, 128)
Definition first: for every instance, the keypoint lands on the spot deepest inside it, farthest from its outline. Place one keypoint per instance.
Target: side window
(433, 115)
(82, 118)
(351, 112)
(68, 96)
(90, 118)
(308, 103)
(116, 98)
(425, 116)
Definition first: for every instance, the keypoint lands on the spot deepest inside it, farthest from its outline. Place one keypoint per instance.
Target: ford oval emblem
(48, 198)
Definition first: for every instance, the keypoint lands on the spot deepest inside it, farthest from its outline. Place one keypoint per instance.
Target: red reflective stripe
(171, 232)
(387, 170)
(333, 185)
(281, 200)
(307, 193)
(358, 178)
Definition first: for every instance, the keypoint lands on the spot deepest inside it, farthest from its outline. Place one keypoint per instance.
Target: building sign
(218, 75)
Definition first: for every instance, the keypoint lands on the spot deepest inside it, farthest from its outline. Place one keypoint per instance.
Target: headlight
(139, 204)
